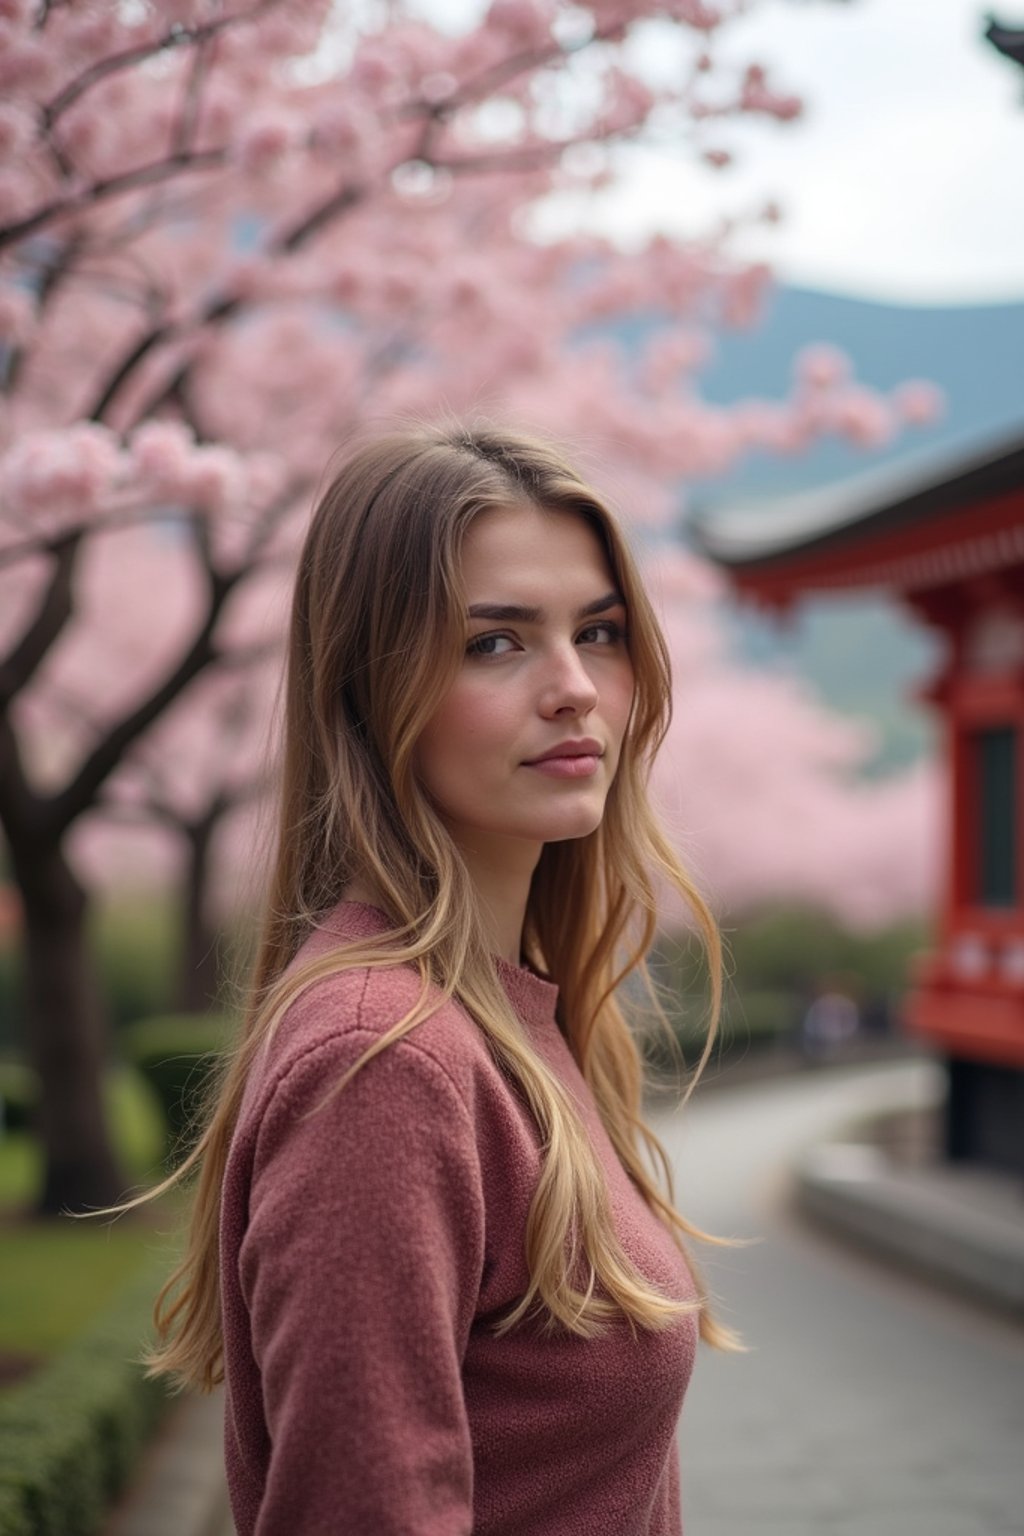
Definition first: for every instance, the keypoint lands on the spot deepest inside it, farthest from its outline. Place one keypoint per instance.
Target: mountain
(974, 352)
(863, 654)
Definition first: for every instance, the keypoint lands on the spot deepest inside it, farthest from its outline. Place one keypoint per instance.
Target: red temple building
(948, 542)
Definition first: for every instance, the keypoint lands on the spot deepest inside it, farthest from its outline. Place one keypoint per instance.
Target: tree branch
(62, 809)
(128, 517)
(218, 309)
(99, 191)
(19, 809)
(178, 36)
(188, 117)
(56, 607)
(53, 274)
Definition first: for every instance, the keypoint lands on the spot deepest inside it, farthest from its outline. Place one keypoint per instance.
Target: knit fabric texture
(367, 1250)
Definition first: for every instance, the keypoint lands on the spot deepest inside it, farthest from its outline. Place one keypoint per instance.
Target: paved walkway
(871, 1404)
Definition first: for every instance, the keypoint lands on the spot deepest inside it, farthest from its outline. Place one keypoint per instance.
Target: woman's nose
(568, 684)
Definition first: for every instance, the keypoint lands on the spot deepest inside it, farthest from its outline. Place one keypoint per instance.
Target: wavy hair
(379, 568)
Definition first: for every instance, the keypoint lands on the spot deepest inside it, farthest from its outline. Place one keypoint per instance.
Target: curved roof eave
(881, 497)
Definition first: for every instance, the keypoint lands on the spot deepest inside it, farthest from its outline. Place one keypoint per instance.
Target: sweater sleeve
(361, 1267)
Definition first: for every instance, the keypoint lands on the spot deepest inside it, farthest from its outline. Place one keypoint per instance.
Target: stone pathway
(870, 1404)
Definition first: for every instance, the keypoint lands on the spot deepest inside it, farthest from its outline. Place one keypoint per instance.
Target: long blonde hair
(379, 569)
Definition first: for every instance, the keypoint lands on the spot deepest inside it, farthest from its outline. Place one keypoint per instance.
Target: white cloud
(903, 179)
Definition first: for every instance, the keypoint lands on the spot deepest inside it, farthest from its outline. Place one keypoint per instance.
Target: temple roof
(925, 491)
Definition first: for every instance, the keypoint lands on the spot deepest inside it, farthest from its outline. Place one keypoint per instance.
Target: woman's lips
(577, 767)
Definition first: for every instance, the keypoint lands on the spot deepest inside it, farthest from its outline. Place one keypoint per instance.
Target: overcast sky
(904, 179)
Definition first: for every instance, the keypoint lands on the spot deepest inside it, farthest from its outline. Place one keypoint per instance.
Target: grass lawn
(58, 1272)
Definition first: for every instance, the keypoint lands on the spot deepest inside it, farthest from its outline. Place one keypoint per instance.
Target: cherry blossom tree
(232, 231)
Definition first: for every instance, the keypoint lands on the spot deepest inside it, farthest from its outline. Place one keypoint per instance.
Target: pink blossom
(16, 130)
(672, 354)
(744, 294)
(342, 128)
(264, 139)
(526, 22)
(16, 13)
(26, 66)
(247, 276)
(821, 366)
(757, 96)
(17, 315)
(375, 71)
(16, 194)
(918, 402)
(92, 33)
(60, 474)
(703, 18)
(630, 101)
(161, 452)
(863, 417)
(438, 86)
(213, 479)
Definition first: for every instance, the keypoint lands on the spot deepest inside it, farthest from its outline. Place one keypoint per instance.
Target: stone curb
(957, 1225)
(179, 1488)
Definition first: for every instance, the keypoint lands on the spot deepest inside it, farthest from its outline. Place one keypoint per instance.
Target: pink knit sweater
(366, 1250)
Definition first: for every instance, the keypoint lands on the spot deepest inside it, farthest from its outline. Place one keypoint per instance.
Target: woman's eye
(487, 645)
(605, 633)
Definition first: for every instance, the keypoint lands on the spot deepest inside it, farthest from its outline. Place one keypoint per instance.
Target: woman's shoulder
(339, 1014)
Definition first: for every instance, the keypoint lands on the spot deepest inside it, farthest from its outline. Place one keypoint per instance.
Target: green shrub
(135, 946)
(72, 1433)
(775, 961)
(755, 1019)
(175, 1054)
(19, 1096)
(14, 1516)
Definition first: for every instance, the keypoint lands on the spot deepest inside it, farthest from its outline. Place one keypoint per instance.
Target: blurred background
(760, 264)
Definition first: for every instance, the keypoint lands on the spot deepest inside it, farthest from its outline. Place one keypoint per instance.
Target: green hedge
(71, 1435)
(19, 1096)
(175, 1054)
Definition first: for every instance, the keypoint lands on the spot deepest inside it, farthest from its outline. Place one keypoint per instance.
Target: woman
(444, 1291)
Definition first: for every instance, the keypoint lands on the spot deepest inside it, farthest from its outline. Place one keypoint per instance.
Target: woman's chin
(563, 829)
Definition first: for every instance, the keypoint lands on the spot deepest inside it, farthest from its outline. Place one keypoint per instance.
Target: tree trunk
(199, 983)
(66, 1039)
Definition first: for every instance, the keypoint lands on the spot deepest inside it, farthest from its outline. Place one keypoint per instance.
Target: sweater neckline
(534, 997)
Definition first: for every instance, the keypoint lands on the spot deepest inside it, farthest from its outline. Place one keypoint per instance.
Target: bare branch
(217, 309)
(494, 76)
(249, 655)
(18, 806)
(20, 664)
(62, 809)
(127, 516)
(188, 117)
(178, 36)
(99, 191)
(272, 518)
(140, 814)
(54, 273)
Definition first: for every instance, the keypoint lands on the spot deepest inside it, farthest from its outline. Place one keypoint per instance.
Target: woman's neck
(502, 885)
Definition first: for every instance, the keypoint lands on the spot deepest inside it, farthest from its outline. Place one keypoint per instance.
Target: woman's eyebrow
(511, 613)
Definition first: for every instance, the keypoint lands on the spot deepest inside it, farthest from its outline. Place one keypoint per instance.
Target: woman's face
(546, 669)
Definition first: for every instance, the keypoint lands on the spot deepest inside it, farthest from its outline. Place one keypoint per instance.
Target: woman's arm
(361, 1267)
